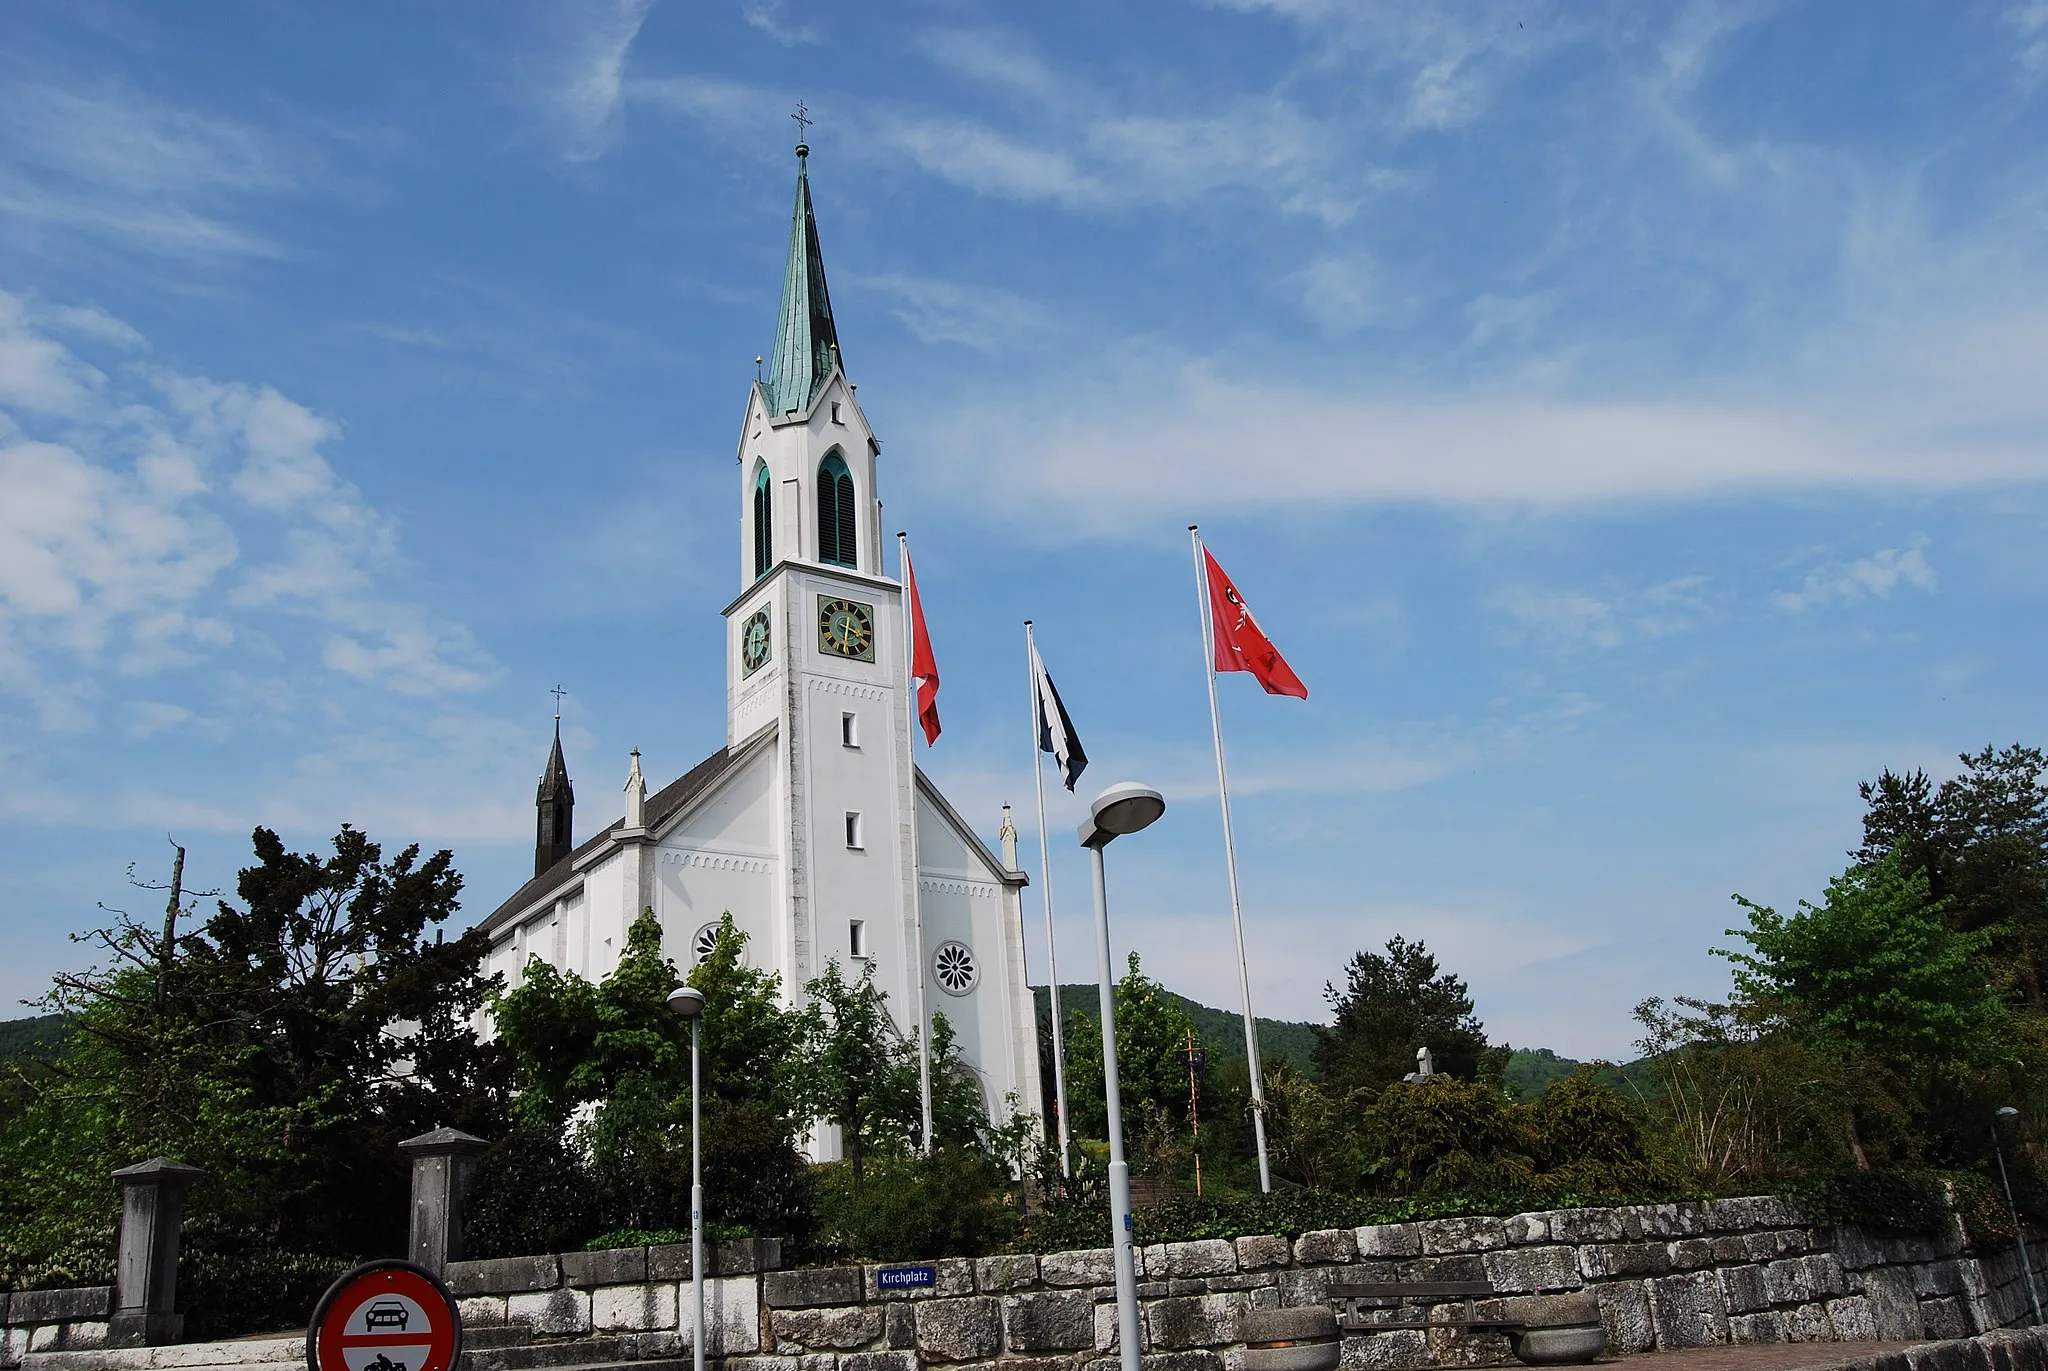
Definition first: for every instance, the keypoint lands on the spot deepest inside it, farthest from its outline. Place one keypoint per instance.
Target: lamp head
(1124, 808)
(2008, 1112)
(686, 1001)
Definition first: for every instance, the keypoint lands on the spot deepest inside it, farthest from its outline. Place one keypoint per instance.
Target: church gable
(735, 815)
(948, 846)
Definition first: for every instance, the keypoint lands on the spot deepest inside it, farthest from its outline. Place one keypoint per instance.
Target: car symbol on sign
(386, 1314)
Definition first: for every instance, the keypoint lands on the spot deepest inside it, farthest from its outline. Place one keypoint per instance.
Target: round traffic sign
(385, 1316)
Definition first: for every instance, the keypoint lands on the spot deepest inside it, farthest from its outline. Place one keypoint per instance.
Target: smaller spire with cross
(803, 127)
(558, 693)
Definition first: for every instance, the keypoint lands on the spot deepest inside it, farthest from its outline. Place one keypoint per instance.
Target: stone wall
(65, 1320)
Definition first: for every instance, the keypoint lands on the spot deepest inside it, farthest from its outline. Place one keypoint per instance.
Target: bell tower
(554, 834)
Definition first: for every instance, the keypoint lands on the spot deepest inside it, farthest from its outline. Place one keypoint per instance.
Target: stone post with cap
(443, 1164)
(146, 1270)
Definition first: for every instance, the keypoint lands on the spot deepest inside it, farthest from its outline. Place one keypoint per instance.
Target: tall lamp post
(1123, 808)
(2007, 1115)
(688, 1003)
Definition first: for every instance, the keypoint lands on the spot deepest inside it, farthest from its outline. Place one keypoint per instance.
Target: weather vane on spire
(558, 693)
(803, 121)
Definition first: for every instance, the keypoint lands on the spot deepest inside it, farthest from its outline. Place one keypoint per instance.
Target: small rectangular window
(857, 937)
(835, 413)
(849, 730)
(852, 829)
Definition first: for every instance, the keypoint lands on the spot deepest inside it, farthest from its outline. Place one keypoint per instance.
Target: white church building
(811, 825)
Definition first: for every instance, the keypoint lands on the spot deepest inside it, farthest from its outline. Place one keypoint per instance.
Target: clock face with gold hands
(846, 628)
(755, 644)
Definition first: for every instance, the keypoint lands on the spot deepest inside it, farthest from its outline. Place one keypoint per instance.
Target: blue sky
(1631, 421)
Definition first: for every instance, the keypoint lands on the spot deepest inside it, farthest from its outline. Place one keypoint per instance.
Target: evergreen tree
(1392, 1005)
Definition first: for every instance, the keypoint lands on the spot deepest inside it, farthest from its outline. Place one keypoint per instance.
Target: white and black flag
(1055, 730)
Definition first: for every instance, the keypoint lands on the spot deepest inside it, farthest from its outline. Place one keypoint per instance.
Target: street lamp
(2006, 1115)
(1123, 808)
(688, 1003)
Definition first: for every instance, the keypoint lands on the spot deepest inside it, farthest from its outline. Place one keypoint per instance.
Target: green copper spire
(804, 337)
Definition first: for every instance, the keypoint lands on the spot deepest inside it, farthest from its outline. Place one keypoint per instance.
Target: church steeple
(805, 339)
(554, 827)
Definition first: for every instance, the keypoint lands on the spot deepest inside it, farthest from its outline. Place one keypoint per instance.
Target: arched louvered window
(837, 543)
(764, 543)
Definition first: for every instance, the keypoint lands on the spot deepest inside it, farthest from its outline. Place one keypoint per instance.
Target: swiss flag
(1240, 644)
(924, 667)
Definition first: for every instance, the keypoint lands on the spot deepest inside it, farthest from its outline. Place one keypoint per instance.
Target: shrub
(1443, 1134)
(949, 1204)
(1588, 1140)
(261, 1290)
(530, 1195)
(755, 1181)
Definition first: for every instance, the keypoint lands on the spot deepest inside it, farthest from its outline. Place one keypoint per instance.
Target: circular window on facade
(706, 943)
(954, 968)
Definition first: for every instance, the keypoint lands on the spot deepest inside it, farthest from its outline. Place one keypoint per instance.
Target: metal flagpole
(924, 1022)
(1244, 980)
(1052, 959)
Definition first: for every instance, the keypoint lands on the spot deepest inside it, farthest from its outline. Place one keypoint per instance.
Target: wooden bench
(1354, 1304)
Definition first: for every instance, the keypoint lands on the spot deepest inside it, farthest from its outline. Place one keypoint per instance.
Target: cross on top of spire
(558, 693)
(803, 125)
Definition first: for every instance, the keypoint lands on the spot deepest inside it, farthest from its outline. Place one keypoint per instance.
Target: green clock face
(846, 628)
(755, 646)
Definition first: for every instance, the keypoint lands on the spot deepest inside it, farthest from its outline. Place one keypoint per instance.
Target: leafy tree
(1392, 1005)
(749, 1039)
(857, 1070)
(1874, 967)
(1152, 1031)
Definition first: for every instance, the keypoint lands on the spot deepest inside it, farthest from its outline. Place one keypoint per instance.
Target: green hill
(1280, 1040)
(40, 1036)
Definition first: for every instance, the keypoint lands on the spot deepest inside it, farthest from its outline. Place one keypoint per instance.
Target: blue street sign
(906, 1277)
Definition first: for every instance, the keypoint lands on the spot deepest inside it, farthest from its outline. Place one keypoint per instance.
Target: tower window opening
(837, 544)
(835, 413)
(849, 730)
(853, 830)
(764, 543)
(857, 937)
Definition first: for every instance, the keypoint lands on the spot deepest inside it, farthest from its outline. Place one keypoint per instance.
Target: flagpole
(924, 1022)
(1244, 980)
(1052, 960)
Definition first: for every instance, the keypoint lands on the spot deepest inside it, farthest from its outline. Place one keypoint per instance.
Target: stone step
(238, 1354)
(639, 1349)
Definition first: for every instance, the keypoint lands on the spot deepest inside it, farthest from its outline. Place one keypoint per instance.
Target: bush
(262, 1290)
(1588, 1140)
(949, 1204)
(756, 1183)
(1443, 1134)
(530, 1195)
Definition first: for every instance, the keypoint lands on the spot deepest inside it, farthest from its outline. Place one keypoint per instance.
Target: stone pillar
(146, 1271)
(443, 1163)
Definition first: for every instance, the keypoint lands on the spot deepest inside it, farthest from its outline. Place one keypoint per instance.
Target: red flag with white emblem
(1240, 643)
(924, 667)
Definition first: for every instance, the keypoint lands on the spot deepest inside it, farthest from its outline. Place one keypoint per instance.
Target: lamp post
(2006, 1115)
(688, 1003)
(1123, 808)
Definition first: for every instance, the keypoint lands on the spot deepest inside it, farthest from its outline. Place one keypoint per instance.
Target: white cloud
(2029, 20)
(151, 518)
(589, 85)
(767, 16)
(1572, 619)
(986, 318)
(1874, 576)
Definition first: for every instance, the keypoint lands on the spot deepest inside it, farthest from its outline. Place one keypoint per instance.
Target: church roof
(660, 806)
(805, 338)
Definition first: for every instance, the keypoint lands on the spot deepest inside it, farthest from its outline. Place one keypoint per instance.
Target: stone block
(1852, 1319)
(1687, 1311)
(1195, 1321)
(1516, 1270)
(1454, 1237)
(814, 1361)
(13, 1345)
(732, 1316)
(1894, 1308)
(45, 1337)
(879, 1361)
(1584, 1225)
(842, 1329)
(744, 1256)
(1105, 1326)
(1527, 1228)
(1210, 1257)
(63, 1305)
(670, 1261)
(1936, 1278)
(1469, 1347)
(1265, 1251)
(1193, 1285)
(1255, 1280)
(808, 1289)
(1744, 1290)
(900, 1330)
(1152, 1290)
(1611, 1261)
(1776, 1211)
(1824, 1274)
(1470, 1267)
(1388, 1240)
(1002, 1275)
(1788, 1282)
(1050, 1321)
(1764, 1327)
(1808, 1323)
(1088, 1266)
(1855, 1248)
(1938, 1356)
(1033, 1364)
(1405, 1349)
(959, 1329)
(763, 1364)
(1164, 1361)
(1944, 1318)
(482, 1311)
(1690, 1254)
(1325, 1245)
(634, 1308)
(614, 1266)
(564, 1312)
(1731, 1251)
(950, 1276)
(1312, 1286)
(504, 1276)
(1733, 1216)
